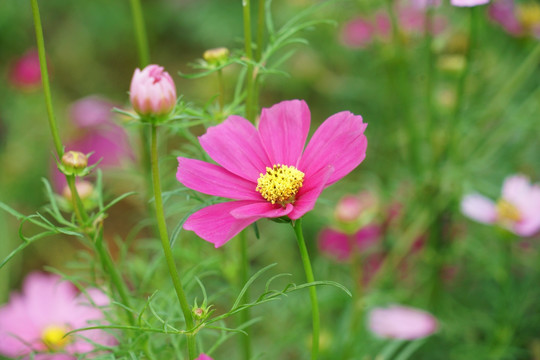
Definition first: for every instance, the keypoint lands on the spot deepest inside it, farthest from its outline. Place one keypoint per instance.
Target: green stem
(221, 86)
(45, 79)
(110, 269)
(460, 90)
(297, 226)
(250, 111)
(428, 26)
(244, 275)
(260, 29)
(140, 33)
(162, 227)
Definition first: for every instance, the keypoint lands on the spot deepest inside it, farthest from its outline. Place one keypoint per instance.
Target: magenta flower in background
(25, 72)
(351, 207)
(468, 3)
(36, 320)
(357, 33)
(503, 12)
(95, 132)
(267, 171)
(340, 246)
(204, 357)
(401, 322)
(152, 91)
(518, 209)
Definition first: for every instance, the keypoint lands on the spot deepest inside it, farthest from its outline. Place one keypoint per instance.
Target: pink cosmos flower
(152, 91)
(468, 3)
(36, 320)
(518, 209)
(401, 322)
(204, 357)
(25, 72)
(267, 171)
(351, 207)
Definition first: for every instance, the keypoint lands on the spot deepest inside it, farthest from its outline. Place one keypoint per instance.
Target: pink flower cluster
(518, 209)
(361, 31)
(25, 72)
(36, 320)
(267, 171)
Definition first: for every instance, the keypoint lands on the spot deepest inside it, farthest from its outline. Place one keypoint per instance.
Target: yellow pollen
(507, 212)
(280, 184)
(528, 15)
(53, 337)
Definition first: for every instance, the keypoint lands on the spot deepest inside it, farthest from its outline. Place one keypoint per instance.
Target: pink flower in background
(351, 207)
(96, 132)
(152, 91)
(357, 33)
(340, 246)
(518, 209)
(468, 3)
(401, 322)
(503, 12)
(36, 320)
(204, 357)
(267, 171)
(25, 72)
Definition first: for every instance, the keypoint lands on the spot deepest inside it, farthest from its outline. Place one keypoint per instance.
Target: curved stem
(45, 79)
(140, 33)
(297, 226)
(164, 236)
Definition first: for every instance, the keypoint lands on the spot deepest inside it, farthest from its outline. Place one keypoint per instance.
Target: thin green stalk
(245, 315)
(460, 90)
(140, 33)
(297, 226)
(110, 269)
(250, 94)
(164, 236)
(404, 92)
(428, 26)
(221, 87)
(260, 29)
(45, 79)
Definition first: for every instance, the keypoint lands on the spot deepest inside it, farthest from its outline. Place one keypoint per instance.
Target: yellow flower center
(507, 212)
(528, 15)
(280, 184)
(53, 337)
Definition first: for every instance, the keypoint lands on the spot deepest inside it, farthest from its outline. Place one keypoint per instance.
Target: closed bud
(216, 56)
(152, 93)
(74, 163)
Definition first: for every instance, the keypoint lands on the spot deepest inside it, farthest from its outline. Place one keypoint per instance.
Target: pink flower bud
(152, 91)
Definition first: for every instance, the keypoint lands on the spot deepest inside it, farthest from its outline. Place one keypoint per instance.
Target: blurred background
(451, 96)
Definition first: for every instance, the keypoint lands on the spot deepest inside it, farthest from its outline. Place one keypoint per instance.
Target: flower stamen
(507, 212)
(280, 184)
(54, 337)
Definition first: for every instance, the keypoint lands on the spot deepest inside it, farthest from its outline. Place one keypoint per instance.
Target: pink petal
(339, 142)
(214, 180)
(204, 357)
(235, 144)
(284, 128)
(517, 190)
(468, 3)
(215, 223)
(310, 191)
(479, 208)
(335, 244)
(400, 322)
(262, 209)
